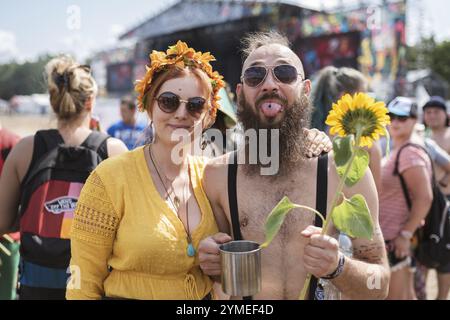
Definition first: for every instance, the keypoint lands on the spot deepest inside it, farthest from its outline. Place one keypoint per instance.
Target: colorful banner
(370, 39)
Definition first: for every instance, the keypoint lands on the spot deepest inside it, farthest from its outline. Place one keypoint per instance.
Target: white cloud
(8, 46)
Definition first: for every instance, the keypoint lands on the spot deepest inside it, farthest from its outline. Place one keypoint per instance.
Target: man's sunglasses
(399, 118)
(285, 73)
(169, 102)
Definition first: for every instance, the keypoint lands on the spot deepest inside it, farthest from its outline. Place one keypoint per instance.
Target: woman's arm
(92, 236)
(421, 196)
(14, 170)
(441, 158)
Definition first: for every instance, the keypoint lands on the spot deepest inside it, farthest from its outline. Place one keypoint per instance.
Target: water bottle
(330, 292)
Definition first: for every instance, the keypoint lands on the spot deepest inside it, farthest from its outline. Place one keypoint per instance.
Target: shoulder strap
(94, 141)
(50, 138)
(321, 205)
(232, 196)
(402, 180)
(44, 140)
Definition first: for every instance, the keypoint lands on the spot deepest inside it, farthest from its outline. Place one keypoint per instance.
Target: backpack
(49, 195)
(433, 247)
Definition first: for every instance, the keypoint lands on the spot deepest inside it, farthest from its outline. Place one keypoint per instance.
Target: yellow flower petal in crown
(181, 56)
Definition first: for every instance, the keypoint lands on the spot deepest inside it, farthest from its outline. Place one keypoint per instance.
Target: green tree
(440, 60)
(419, 56)
(23, 78)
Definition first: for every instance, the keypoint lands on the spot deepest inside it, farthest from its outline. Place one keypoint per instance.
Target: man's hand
(321, 255)
(316, 142)
(208, 253)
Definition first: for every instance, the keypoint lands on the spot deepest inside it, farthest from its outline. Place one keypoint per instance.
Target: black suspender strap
(232, 201)
(321, 205)
(232, 196)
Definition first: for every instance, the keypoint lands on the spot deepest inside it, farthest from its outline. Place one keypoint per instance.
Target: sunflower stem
(337, 195)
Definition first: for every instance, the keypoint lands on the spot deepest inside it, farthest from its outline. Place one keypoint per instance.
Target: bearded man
(274, 95)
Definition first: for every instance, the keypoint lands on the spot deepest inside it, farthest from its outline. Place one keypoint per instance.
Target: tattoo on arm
(372, 252)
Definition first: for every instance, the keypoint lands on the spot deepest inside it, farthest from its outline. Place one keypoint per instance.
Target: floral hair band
(181, 56)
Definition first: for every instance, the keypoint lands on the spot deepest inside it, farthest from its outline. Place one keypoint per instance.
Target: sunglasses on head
(399, 118)
(169, 102)
(284, 73)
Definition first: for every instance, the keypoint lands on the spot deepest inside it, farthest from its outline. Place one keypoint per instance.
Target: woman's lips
(179, 126)
(271, 109)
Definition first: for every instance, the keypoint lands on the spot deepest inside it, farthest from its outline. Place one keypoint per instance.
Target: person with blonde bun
(72, 91)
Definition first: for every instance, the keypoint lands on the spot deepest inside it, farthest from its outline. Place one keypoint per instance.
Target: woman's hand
(316, 142)
(402, 247)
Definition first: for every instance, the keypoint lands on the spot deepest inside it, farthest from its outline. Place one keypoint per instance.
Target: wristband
(338, 270)
(406, 234)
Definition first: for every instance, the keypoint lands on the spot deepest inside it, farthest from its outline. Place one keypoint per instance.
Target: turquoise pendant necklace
(190, 251)
(190, 248)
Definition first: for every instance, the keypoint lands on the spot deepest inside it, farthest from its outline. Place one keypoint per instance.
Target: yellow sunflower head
(180, 56)
(358, 114)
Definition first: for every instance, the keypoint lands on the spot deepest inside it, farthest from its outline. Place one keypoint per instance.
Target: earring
(203, 141)
(151, 133)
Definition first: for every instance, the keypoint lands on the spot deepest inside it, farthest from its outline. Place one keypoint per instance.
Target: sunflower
(358, 115)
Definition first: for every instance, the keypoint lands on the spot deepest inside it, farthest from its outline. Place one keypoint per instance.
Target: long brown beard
(291, 136)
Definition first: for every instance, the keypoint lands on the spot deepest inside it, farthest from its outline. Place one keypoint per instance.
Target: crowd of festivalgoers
(128, 222)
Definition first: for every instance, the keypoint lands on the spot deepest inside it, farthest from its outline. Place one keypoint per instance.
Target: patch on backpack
(61, 204)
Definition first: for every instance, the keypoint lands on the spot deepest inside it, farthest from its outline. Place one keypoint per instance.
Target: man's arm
(215, 185)
(365, 275)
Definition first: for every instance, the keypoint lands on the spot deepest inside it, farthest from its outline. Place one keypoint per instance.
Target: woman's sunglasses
(399, 118)
(169, 102)
(285, 73)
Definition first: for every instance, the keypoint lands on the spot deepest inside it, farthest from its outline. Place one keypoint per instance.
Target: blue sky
(29, 28)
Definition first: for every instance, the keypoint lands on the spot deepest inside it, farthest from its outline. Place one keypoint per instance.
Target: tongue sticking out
(271, 109)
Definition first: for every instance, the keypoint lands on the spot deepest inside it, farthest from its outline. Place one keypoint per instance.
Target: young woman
(398, 222)
(72, 92)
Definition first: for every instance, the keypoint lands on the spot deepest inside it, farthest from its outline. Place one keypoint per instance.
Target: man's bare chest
(257, 198)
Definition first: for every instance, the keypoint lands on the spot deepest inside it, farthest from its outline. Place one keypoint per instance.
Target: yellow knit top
(127, 242)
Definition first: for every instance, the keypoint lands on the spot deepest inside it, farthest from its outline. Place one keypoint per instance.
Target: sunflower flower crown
(181, 56)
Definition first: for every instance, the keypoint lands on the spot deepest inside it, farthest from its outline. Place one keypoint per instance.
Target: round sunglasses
(284, 73)
(169, 102)
(396, 117)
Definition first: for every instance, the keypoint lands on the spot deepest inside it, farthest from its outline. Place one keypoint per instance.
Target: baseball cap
(436, 102)
(403, 106)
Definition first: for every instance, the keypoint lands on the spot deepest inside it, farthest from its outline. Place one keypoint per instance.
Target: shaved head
(283, 55)
(261, 43)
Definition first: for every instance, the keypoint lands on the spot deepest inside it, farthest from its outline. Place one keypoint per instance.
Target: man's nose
(270, 84)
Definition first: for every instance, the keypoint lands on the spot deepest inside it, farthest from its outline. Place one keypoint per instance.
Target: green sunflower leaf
(342, 148)
(353, 217)
(358, 168)
(275, 219)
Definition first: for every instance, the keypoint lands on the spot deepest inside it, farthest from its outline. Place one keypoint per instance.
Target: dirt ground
(24, 125)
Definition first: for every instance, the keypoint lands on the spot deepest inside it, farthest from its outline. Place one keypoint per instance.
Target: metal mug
(241, 268)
